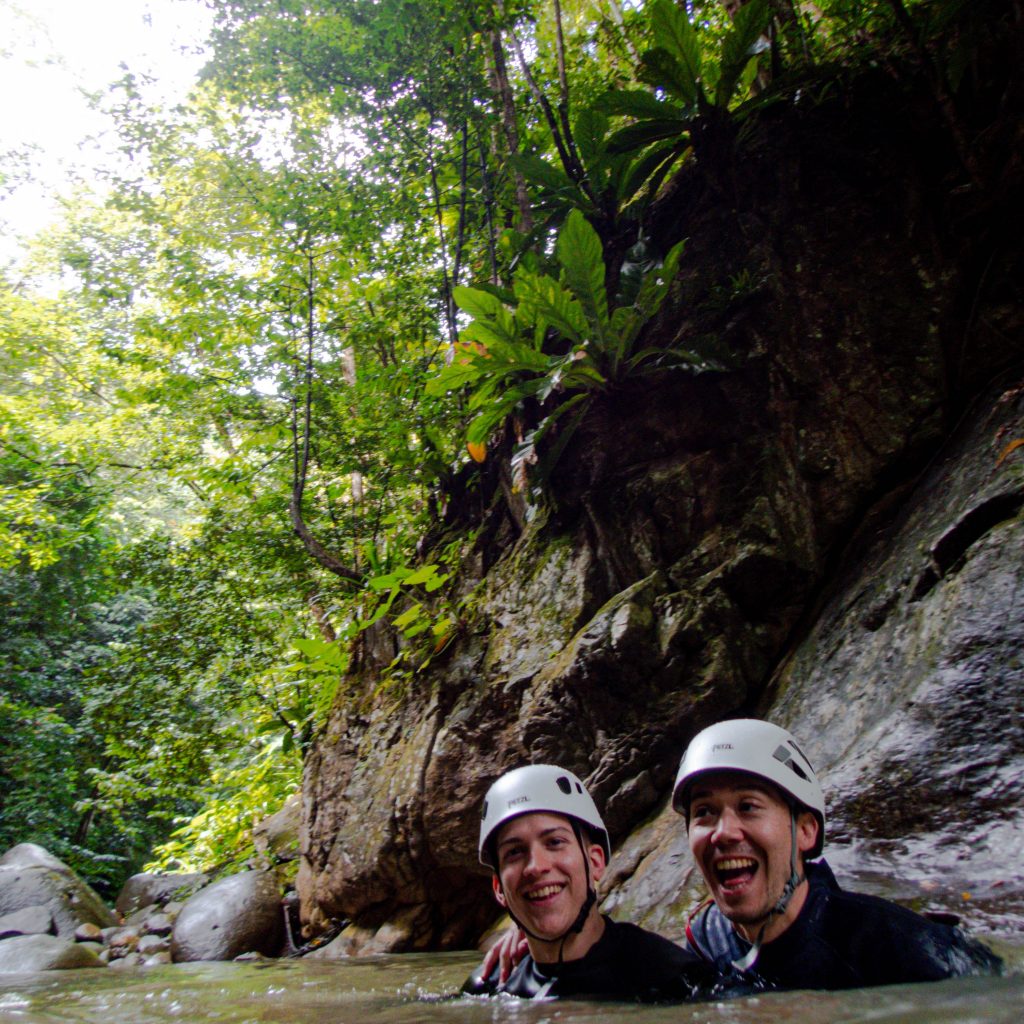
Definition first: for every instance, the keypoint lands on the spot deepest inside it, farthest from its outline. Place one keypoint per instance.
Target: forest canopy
(383, 243)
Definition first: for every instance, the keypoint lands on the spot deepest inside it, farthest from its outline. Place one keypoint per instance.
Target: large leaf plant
(554, 342)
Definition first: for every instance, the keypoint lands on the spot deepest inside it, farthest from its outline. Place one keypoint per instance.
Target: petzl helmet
(532, 788)
(758, 748)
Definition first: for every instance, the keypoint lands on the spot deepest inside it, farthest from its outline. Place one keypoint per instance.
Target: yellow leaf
(1011, 447)
(477, 450)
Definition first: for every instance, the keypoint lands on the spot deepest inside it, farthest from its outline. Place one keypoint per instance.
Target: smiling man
(755, 818)
(547, 846)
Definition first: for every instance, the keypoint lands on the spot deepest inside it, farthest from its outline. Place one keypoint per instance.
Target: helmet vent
(783, 755)
(564, 784)
(483, 812)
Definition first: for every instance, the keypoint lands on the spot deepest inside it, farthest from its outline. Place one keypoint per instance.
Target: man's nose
(537, 861)
(727, 828)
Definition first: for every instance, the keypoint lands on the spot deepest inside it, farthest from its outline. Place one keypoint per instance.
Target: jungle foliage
(235, 382)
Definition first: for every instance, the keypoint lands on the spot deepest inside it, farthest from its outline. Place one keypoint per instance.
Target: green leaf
(740, 44)
(409, 615)
(579, 252)
(638, 103)
(552, 305)
(476, 302)
(312, 647)
(589, 131)
(540, 172)
(674, 34)
(643, 133)
(422, 575)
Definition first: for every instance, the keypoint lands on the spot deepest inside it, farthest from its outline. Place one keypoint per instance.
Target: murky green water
(410, 989)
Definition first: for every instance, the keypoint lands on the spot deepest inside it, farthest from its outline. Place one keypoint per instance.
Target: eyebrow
(543, 835)
(756, 787)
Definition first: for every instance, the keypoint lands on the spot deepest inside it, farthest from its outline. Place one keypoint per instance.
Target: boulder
(150, 944)
(158, 924)
(29, 921)
(89, 932)
(31, 877)
(276, 837)
(122, 941)
(144, 889)
(235, 915)
(28, 953)
(25, 855)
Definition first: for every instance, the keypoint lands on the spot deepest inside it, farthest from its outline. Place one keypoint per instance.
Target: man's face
(543, 881)
(741, 840)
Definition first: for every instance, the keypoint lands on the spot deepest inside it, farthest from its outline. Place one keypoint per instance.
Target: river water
(418, 989)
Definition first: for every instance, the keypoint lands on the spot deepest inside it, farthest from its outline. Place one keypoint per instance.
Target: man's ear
(595, 852)
(499, 895)
(807, 829)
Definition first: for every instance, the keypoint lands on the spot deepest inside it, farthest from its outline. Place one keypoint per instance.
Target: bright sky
(50, 50)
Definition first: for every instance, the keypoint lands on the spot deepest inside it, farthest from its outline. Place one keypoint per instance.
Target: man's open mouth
(734, 870)
(544, 892)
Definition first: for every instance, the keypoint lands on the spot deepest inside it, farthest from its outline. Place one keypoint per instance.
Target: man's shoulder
(658, 968)
(890, 943)
(626, 937)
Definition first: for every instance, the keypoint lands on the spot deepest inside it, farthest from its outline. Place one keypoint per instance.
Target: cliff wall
(820, 530)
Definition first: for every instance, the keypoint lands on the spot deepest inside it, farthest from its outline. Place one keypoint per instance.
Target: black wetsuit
(843, 940)
(626, 963)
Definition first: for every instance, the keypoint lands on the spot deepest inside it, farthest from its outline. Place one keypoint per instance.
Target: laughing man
(777, 918)
(544, 841)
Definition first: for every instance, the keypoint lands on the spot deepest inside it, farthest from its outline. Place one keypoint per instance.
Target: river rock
(143, 890)
(26, 953)
(122, 941)
(238, 914)
(30, 921)
(28, 881)
(25, 855)
(150, 944)
(128, 961)
(276, 837)
(89, 932)
(158, 924)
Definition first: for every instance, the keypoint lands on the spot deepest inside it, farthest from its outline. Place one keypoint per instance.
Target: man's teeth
(736, 864)
(544, 892)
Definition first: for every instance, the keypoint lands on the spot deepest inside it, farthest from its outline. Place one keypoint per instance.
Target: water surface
(413, 989)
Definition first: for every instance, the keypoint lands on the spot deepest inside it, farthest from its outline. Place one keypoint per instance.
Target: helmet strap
(794, 880)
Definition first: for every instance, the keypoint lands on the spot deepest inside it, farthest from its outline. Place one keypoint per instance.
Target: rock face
(238, 914)
(907, 692)
(801, 534)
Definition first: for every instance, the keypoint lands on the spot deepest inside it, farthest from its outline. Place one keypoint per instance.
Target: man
(544, 841)
(755, 819)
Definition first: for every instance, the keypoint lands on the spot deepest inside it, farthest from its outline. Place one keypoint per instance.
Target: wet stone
(27, 953)
(89, 932)
(35, 920)
(158, 924)
(150, 944)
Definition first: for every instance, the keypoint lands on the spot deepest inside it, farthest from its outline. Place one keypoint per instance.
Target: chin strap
(795, 878)
(581, 918)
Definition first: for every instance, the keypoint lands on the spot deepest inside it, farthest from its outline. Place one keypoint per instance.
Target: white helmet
(537, 787)
(759, 748)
